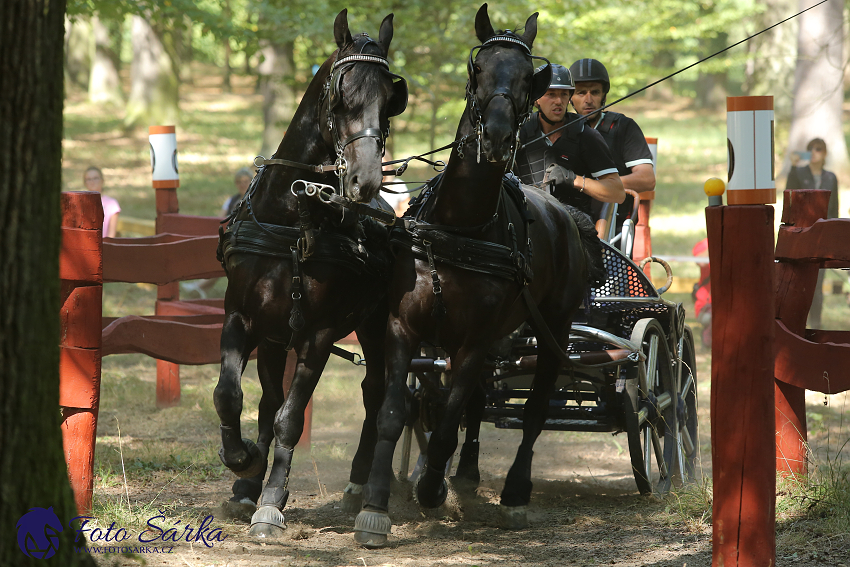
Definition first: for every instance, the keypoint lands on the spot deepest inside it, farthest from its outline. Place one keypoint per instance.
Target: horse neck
(302, 143)
(468, 193)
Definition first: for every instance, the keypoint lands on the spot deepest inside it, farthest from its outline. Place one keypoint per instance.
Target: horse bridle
(476, 109)
(332, 97)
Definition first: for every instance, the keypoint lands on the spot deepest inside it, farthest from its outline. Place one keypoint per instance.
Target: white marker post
(749, 131)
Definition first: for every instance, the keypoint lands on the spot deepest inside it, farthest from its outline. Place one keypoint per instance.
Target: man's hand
(559, 177)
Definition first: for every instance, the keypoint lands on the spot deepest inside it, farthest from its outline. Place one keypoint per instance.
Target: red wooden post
(740, 242)
(643, 239)
(81, 272)
(795, 287)
(741, 252)
(165, 182)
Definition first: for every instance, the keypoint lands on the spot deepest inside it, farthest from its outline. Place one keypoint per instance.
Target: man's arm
(641, 178)
(608, 188)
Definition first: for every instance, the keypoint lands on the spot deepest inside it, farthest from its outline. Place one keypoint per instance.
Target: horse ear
(530, 29)
(483, 27)
(341, 33)
(385, 35)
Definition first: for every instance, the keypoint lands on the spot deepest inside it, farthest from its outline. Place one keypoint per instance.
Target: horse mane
(368, 77)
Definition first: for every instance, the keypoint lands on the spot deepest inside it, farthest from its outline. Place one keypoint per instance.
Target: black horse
(304, 271)
(474, 263)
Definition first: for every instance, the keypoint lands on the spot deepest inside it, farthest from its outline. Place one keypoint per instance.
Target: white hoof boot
(372, 528)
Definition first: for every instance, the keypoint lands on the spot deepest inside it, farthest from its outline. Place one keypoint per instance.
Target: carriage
(632, 369)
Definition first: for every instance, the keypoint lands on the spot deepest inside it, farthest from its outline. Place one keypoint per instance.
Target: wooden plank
(171, 341)
(79, 318)
(187, 259)
(808, 365)
(742, 393)
(189, 307)
(825, 240)
(79, 385)
(189, 225)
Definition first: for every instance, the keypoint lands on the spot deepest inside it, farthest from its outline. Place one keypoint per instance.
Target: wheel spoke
(659, 453)
(648, 443)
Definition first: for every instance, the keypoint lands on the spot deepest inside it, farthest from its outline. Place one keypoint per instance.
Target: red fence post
(165, 182)
(742, 399)
(795, 287)
(643, 238)
(81, 272)
(741, 252)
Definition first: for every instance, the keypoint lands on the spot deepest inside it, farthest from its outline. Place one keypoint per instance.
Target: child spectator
(93, 180)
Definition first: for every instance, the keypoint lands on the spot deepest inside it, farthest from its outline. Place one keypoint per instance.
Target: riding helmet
(561, 77)
(591, 70)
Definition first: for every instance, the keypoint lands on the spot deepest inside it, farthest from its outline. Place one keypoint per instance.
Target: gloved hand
(560, 178)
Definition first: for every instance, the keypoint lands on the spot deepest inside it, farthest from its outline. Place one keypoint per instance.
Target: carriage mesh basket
(625, 280)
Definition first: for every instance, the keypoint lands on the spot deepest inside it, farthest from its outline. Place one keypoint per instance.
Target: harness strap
(308, 238)
(296, 318)
(260, 161)
(439, 310)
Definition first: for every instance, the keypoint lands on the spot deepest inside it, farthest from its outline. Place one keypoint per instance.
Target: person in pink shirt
(93, 180)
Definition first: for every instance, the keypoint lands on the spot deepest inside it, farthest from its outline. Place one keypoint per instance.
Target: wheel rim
(687, 440)
(652, 428)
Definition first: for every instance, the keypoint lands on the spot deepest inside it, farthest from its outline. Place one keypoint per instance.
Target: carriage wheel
(649, 402)
(686, 410)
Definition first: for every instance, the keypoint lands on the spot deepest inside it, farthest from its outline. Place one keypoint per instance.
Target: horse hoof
(267, 522)
(352, 498)
(427, 497)
(371, 528)
(239, 508)
(254, 465)
(513, 517)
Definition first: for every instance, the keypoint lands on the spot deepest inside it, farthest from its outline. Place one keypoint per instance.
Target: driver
(622, 134)
(573, 163)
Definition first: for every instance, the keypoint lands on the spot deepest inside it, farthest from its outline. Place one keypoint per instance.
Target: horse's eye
(477, 69)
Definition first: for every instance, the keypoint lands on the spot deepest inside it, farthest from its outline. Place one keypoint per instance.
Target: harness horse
(476, 261)
(305, 268)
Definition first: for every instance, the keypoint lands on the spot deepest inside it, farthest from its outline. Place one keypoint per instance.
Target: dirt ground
(585, 508)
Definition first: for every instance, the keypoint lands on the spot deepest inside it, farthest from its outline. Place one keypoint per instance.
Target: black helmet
(561, 77)
(591, 70)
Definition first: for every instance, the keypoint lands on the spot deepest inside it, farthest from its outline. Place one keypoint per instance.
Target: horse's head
(362, 95)
(502, 84)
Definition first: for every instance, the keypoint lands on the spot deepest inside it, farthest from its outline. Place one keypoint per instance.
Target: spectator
(93, 180)
(814, 176)
(242, 180)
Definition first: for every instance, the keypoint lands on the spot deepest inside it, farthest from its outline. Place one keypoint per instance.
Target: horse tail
(596, 273)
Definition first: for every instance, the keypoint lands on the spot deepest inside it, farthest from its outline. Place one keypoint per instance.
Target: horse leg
(271, 363)
(431, 489)
(467, 476)
(268, 520)
(239, 455)
(373, 523)
(517, 491)
(371, 337)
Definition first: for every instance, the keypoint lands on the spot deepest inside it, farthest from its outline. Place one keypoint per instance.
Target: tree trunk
(276, 75)
(226, 85)
(105, 82)
(711, 87)
(32, 467)
(154, 83)
(78, 51)
(818, 85)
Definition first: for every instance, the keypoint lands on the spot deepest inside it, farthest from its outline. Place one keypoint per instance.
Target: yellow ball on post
(714, 188)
